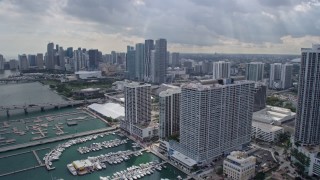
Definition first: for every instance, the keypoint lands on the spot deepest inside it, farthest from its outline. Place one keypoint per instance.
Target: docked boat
(72, 169)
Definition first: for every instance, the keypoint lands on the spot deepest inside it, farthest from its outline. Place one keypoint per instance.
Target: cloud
(197, 24)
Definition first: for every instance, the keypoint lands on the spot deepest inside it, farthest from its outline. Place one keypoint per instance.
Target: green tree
(219, 171)
(260, 176)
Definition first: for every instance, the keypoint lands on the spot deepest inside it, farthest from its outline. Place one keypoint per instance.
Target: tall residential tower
(307, 127)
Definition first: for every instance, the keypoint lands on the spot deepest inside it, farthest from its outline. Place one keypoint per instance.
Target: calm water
(25, 93)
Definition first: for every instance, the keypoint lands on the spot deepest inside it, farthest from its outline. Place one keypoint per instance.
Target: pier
(21, 170)
(16, 154)
(37, 157)
(54, 139)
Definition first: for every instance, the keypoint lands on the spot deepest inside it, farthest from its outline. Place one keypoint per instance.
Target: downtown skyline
(253, 27)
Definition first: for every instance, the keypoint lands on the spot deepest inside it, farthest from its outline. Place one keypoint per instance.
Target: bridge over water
(43, 106)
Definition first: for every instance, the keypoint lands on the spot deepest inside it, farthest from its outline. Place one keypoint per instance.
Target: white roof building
(183, 160)
(113, 110)
(271, 114)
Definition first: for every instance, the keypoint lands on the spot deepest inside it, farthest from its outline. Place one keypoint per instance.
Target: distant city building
(159, 62)
(221, 70)
(222, 110)
(275, 76)
(280, 76)
(61, 61)
(1, 62)
(207, 67)
(23, 62)
(93, 59)
(307, 127)
(255, 71)
(114, 57)
(69, 52)
(239, 166)
(13, 64)
(169, 115)
(32, 61)
(39, 60)
(131, 63)
(266, 132)
(148, 47)
(175, 59)
(260, 96)
(139, 62)
(80, 60)
(50, 56)
(88, 74)
(286, 76)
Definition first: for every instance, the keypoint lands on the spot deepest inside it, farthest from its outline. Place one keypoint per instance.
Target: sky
(193, 26)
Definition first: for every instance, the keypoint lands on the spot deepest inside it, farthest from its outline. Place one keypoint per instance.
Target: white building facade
(215, 120)
(255, 71)
(169, 112)
(239, 166)
(266, 132)
(221, 70)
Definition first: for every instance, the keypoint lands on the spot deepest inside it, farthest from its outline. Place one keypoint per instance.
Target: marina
(43, 144)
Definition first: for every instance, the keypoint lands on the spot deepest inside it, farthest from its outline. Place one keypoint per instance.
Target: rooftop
(240, 158)
(112, 110)
(136, 84)
(170, 92)
(185, 159)
(266, 127)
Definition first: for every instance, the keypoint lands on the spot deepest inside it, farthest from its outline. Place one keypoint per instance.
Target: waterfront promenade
(54, 139)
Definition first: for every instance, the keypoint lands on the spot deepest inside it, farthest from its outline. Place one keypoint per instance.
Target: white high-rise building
(286, 76)
(169, 112)
(137, 106)
(280, 76)
(1, 62)
(221, 70)
(254, 71)
(307, 127)
(239, 166)
(215, 120)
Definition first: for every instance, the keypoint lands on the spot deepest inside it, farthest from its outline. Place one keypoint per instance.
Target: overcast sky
(204, 26)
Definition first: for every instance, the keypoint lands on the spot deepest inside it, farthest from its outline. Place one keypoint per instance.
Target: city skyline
(224, 27)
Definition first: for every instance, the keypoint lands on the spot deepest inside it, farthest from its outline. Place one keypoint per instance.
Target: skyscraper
(69, 52)
(280, 76)
(32, 60)
(93, 59)
(50, 56)
(221, 70)
(131, 62)
(159, 62)
(40, 60)
(1, 62)
(139, 61)
(215, 120)
(307, 127)
(23, 62)
(175, 60)
(61, 58)
(254, 71)
(137, 106)
(169, 116)
(260, 96)
(275, 76)
(148, 47)
(286, 76)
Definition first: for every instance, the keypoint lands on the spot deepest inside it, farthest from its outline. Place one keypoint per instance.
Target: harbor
(42, 144)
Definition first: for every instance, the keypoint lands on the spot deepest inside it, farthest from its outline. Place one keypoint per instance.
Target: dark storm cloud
(198, 22)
